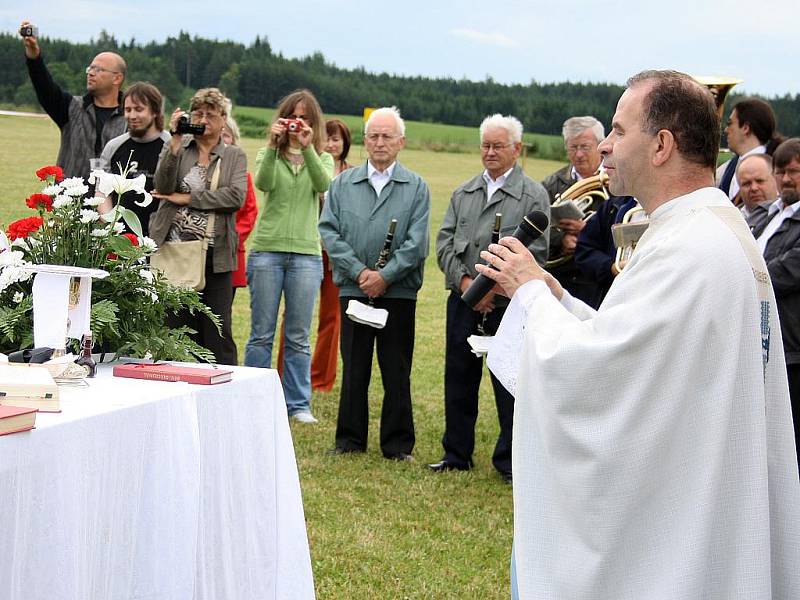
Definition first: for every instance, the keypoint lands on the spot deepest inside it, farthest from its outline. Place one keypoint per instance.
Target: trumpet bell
(627, 234)
(719, 88)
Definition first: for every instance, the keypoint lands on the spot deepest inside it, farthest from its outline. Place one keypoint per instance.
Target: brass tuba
(583, 195)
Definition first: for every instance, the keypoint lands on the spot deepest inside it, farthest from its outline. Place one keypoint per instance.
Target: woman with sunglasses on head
(285, 254)
(201, 183)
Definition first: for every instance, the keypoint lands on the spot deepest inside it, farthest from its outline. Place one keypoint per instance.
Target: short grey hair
(577, 125)
(511, 124)
(391, 111)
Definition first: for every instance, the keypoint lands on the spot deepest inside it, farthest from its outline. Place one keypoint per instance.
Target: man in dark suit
(751, 129)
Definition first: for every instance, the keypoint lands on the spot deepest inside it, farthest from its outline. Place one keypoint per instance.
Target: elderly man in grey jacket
(467, 229)
(360, 205)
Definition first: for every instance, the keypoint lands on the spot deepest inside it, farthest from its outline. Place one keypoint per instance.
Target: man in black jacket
(778, 238)
(87, 122)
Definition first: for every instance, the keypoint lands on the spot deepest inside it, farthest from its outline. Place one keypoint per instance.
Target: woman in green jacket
(285, 255)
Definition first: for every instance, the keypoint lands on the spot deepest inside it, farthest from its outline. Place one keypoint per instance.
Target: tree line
(255, 75)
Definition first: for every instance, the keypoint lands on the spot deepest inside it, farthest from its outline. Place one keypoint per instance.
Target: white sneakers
(304, 416)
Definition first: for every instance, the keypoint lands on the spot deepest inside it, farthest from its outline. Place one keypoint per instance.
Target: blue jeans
(298, 277)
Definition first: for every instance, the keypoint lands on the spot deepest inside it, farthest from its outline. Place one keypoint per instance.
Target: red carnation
(40, 201)
(24, 227)
(55, 172)
(132, 237)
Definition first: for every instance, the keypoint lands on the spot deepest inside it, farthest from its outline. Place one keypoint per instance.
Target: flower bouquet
(130, 306)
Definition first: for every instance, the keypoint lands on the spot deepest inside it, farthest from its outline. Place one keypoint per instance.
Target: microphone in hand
(533, 225)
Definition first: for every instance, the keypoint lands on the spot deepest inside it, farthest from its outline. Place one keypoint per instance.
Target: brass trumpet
(627, 234)
(585, 195)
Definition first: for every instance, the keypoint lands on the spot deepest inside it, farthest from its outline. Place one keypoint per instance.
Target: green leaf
(131, 220)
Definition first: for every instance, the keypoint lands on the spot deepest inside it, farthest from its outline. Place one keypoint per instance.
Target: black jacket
(782, 256)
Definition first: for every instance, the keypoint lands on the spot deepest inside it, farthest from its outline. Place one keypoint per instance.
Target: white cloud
(482, 37)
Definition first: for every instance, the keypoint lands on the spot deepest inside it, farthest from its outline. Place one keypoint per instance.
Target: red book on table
(16, 418)
(167, 372)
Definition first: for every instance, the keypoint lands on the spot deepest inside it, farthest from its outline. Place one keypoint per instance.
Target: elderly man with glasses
(468, 227)
(87, 122)
(360, 206)
(581, 137)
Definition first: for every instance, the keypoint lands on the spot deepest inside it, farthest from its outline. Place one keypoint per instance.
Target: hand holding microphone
(511, 263)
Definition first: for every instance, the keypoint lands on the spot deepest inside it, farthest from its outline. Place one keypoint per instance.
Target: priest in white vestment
(653, 445)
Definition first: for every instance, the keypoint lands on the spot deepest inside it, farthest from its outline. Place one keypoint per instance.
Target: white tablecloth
(155, 490)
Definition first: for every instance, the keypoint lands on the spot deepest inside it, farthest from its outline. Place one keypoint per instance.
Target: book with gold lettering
(168, 372)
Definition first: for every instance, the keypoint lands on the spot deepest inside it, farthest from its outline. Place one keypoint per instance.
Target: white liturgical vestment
(653, 451)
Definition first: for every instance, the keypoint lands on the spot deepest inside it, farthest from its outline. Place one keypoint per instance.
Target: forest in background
(256, 75)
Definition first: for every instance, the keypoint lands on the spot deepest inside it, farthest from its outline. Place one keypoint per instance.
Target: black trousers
(793, 372)
(395, 346)
(462, 379)
(218, 296)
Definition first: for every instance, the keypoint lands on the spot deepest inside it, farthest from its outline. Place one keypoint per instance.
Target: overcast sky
(511, 41)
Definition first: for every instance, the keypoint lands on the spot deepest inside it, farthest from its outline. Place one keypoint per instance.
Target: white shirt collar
(387, 174)
(757, 150)
(779, 206)
(500, 180)
(573, 172)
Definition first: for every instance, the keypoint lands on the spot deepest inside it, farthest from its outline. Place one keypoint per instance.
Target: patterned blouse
(189, 223)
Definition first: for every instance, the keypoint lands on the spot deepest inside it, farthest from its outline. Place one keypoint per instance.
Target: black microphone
(532, 226)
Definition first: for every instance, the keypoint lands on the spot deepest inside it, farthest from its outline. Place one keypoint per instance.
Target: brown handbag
(183, 264)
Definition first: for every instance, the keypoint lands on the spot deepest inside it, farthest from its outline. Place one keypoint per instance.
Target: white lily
(108, 182)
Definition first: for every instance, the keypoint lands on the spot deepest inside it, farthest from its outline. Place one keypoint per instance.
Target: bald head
(106, 74)
(756, 183)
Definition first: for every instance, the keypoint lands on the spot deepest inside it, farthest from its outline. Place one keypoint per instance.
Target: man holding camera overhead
(86, 122)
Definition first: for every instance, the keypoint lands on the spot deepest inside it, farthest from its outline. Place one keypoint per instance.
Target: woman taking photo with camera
(285, 255)
(201, 183)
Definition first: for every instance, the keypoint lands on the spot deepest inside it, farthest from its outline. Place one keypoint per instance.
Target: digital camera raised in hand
(293, 125)
(29, 31)
(186, 126)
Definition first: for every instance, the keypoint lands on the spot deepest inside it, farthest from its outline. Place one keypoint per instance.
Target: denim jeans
(298, 277)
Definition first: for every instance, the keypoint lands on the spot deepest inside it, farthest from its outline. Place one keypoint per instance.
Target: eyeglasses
(374, 137)
(96, 69)
(495, 147)
(792, 172)
(585, 148)
(198, 115)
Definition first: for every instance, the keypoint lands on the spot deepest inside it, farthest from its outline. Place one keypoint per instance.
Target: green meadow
(377, 529)
(426, 136)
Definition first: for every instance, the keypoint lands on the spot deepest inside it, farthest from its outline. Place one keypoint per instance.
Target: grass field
(427, 136)
(377, 529)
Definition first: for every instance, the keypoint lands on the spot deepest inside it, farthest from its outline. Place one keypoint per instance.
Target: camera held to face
(185, 126)
(293, 125)
(29, 31)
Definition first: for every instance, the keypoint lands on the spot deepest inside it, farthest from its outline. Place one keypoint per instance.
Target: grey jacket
(224, 201)
(353, 227)
(468, 223)
(75, 116)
